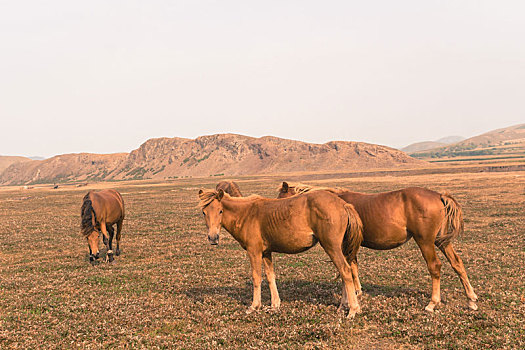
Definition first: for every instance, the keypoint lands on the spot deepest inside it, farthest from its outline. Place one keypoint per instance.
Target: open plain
(171, 289)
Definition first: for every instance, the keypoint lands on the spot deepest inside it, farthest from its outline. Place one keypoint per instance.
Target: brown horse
(100, 211)
(390, 219)
(229, 187)
(290, 226)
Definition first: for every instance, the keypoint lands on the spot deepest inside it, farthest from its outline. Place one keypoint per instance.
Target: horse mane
(301, 188)
(229, 187)
(207, 196)
(87, 213)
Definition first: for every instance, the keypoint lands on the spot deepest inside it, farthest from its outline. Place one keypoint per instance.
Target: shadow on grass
(310, 292)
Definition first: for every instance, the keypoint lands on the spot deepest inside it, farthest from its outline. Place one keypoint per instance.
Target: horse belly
(387, 239)
(293, 244)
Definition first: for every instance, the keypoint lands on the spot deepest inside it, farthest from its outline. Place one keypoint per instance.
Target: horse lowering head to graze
(229, 187)
(262, 226)
(100, 211)
(390, 219)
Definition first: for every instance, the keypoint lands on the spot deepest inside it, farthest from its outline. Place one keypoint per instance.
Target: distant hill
(425, 145)
(222, 154)
(6, 161)
(422, 146)
(63, 168)
(505, 143)
(450, 139)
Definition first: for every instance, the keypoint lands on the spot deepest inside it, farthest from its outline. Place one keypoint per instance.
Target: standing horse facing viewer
(263, 225)
(390, 219)
(100, 211)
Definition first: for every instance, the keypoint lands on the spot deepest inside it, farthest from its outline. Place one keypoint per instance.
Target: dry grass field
(171, 289)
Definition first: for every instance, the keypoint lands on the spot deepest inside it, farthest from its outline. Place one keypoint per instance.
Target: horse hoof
(351, 314)
(342, 307)
(251, 309)
(430, 307)
(359, 292)
(472, 305)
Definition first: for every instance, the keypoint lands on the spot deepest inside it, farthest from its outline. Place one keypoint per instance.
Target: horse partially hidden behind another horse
(290, 226)
(100, 211)
(229, 187)
(390, 219)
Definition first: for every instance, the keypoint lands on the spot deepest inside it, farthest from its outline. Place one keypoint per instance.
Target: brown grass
(170, 289)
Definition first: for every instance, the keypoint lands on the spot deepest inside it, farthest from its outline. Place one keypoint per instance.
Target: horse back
(391, 218)
(108, 206)
(307, 213)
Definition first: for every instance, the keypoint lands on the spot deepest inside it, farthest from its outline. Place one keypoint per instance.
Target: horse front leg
(106, 238)
(270, 276)
(256, 265)
(110, 243)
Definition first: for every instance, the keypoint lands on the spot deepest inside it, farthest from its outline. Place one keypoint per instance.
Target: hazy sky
(104, 76)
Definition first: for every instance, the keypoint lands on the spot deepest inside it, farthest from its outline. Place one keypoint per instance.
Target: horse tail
(452, 225)
(87, 213)
(354, 233)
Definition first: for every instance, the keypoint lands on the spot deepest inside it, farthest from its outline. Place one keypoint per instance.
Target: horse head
(285, 191)
(210, 203)
(92, 239)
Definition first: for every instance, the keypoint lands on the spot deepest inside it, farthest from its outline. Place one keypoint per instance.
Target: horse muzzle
(93, 257)
(213, 239)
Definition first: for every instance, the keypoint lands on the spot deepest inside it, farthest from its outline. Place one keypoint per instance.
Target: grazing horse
(263, 225)
(229, 187)
(390, 219)
(100, 211)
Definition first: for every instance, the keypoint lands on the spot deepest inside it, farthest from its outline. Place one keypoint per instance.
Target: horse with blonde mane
(100, 211)
(390, 219)
(263, 226)
(229, 187)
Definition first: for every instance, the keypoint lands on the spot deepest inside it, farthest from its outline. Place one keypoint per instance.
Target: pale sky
(105, 76)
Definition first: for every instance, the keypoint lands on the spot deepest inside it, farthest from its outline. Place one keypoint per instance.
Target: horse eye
(203, 213)
(220, 212)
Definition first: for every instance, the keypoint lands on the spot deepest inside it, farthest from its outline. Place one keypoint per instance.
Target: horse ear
(201, 191)
(284, 187)
(220, 194)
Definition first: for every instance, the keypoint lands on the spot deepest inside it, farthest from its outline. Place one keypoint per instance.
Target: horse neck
(234, 214)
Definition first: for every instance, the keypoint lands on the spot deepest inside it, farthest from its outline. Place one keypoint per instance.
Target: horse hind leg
(345, 271)
(357, 285)
(434, 267)
(119, 234)
(355, 277)
(456, 263)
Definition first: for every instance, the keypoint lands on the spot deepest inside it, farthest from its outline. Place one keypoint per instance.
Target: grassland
(486, 153)
(170, 289)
